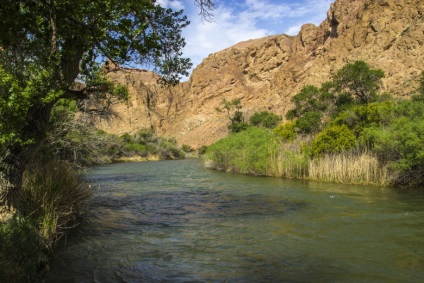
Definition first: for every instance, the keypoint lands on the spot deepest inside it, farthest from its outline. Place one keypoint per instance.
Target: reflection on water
(174, 221)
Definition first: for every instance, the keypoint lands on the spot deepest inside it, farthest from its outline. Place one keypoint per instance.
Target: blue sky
(241, 20)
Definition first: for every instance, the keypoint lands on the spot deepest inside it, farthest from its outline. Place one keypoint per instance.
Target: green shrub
(237, 123)
(232, 110)
(265, 119)
(145, 136)
(286, 132)
(54, 195)
(363, 116)
(187, 148)
(310, 122)
(202, 150)
(126, 138)
(135, 148)
(334, 139)
(401, 143)
(253, 151)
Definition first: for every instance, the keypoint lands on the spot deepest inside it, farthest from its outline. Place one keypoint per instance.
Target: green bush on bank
(265, 119)
(287, 132)
(253, 151)
(400, 144)
(335, 139)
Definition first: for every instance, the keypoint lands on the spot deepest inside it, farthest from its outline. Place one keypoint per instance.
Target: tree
(49, 50)
(233, 111)
(311, 104)
(307, 100)
(359, 81)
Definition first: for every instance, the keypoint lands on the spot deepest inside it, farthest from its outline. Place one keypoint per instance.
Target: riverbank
(268, 158)
(53, 200)
(344, 131)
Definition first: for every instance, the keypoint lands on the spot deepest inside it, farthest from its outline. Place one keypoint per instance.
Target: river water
(174, 221)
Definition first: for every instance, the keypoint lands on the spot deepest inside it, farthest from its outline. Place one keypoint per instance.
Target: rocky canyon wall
(265, 73)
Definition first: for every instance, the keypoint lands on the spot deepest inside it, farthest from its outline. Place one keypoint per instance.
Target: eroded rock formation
(265, 73)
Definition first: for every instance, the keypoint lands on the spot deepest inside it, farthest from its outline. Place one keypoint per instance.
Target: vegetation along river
(174, 221)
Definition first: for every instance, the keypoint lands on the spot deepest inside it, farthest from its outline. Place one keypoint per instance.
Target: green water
(174, 221)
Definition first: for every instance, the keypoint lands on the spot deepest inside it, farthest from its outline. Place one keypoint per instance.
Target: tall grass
(254, 152)
(350, 168)
(53, 198)
(292, 161)
(257, 152)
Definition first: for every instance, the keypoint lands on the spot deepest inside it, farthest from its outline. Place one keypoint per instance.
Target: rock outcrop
(265, 73)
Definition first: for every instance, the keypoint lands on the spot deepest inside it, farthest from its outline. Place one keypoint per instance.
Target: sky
(240, 20)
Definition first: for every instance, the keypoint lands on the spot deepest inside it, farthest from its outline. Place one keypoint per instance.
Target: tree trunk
(15, 158)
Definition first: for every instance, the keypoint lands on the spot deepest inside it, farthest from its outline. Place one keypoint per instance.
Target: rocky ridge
(265, 73)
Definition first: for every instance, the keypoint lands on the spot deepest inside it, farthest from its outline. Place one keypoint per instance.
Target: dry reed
(349, 168)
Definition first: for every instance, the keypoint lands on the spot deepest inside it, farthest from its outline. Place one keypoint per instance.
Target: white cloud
(240, 20)
(293, 30)
(173, 4)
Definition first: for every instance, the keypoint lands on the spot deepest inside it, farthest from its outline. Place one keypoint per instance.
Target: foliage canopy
(50, 49)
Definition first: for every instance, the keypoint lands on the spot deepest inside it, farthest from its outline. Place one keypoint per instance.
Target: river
(174, 221)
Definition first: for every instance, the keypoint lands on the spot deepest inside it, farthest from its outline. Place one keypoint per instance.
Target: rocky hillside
(265, 73)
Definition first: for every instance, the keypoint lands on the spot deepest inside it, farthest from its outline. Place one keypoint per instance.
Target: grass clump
(22, 250)
(53, 199)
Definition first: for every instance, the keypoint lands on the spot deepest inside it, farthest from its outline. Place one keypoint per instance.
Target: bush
(187, 148)
(265, 119)
(233, 112)
(54, 195)
(401, 143)
(237, 123)
(286, 132)
(168, 150)
(145, 136)
(202, 150)
(310, 122)
(335, 139)
(307, 100)
(253, 151)
(136, 149)
(363, 116)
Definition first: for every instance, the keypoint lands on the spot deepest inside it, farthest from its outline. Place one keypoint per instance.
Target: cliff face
(265, 73)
